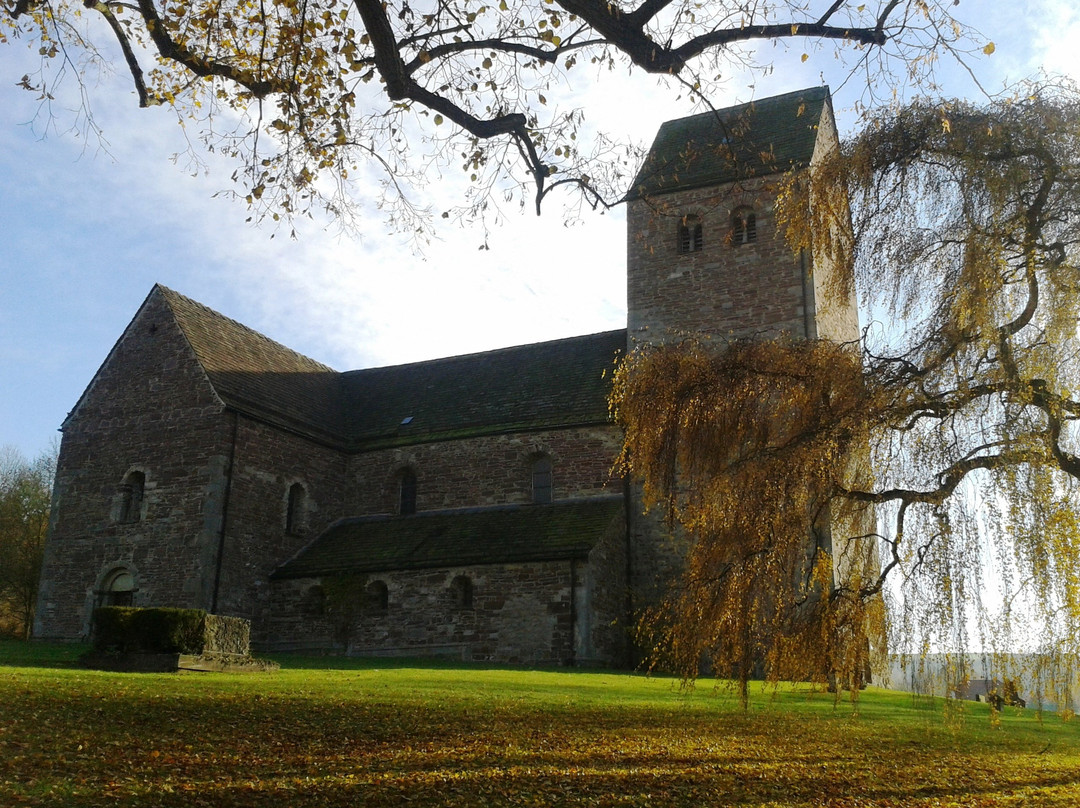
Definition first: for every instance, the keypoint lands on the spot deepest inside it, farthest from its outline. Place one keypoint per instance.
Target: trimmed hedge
(122, 629)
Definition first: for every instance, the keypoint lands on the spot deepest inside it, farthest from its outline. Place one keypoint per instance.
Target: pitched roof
(547, 384)
(767, 136)
(470, 536)
(254, 374)
(544, 385)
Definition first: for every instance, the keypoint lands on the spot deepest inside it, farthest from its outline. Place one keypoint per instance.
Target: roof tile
(464, 537)
(763, 137)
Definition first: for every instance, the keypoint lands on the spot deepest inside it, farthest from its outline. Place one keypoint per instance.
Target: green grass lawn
(329, 732)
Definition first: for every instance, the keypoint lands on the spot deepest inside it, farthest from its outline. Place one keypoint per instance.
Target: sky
(86, 231)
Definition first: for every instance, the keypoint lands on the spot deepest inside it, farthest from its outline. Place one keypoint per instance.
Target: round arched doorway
(118, 588)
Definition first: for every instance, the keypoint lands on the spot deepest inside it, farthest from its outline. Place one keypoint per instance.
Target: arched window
(690, 234)
(296, 510)
(131, 497)
(376, 598)
(461, 592)
(407, 493)
(118, 589)
(314, 601)
(541, 480)
(743, 226)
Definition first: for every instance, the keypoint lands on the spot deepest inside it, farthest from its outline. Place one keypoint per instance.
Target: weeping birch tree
(940, 453)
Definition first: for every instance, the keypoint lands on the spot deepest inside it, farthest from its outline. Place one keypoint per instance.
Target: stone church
(461, 506)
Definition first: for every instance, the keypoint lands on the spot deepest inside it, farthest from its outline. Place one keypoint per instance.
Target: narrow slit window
(377, 598)
(131, 497)
(461, 592)
(407, 493)
(295, 510)
(541, 480)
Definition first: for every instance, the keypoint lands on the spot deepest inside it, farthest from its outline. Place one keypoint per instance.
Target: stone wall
(490, 470)
(836, 312)
(152, 411)
(754, 289)
(266, 464)
(520, 614)
(566, 612)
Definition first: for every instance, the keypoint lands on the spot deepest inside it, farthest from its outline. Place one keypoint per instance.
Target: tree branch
(125, 46)
(169, 48)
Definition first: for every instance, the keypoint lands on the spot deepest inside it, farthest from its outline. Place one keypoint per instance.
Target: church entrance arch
(117, 588)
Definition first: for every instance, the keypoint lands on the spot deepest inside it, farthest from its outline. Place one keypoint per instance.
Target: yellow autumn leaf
(990, 48)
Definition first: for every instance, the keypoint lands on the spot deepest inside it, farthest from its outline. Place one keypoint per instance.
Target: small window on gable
(407, 493)
(541, 480)
(461, 592)
(743, 226)
(376, 598)
(118, 589)
(690, 234)
(296, 510)
(131, 497)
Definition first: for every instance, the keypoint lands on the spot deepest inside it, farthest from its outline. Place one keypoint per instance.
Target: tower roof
(767, 136)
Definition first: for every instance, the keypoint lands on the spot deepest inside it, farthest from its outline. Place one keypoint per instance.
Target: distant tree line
(25, 498)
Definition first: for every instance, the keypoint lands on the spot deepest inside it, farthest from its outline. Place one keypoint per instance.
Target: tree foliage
(955, 419)
(25, 498)
(305, 94)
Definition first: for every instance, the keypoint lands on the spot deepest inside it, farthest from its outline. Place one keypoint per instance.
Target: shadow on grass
(330, 662)
(40, 654)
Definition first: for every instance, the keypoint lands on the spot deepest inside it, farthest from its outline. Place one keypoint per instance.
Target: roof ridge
(488, 353)
(757, 138)
(813, 92)
(172, 297)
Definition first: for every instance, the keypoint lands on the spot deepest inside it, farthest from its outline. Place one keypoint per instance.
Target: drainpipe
(573, 611)
(224, 514)
(807, 294)
(628, 535)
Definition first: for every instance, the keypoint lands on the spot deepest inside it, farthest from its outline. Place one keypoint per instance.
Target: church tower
(704, 254)
(706, 257)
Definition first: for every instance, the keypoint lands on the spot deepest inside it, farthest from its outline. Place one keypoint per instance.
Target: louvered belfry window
(743, 226)
(690, 234)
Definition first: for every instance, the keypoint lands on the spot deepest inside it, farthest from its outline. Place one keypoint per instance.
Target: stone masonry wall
(491, 470)
(267, 462)
(150, 409)
(724, 289)
(603, 624)
(520, 614)
(538, 613)
(836, 313)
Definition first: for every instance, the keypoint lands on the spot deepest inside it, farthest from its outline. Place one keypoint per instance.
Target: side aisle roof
(496, 534)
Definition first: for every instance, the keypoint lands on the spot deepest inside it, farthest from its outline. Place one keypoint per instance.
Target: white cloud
(84, 235)
(1056, 44)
